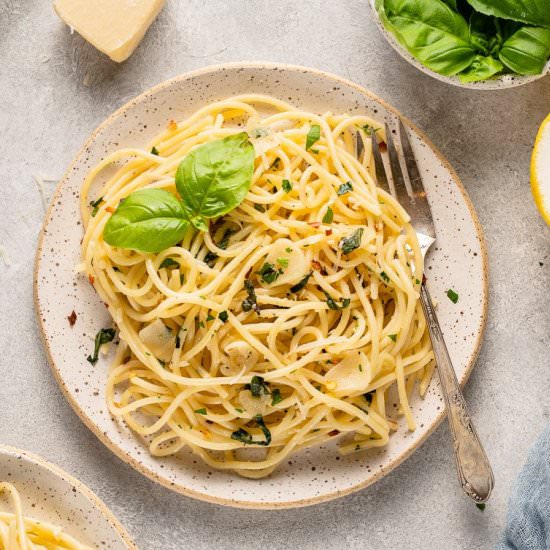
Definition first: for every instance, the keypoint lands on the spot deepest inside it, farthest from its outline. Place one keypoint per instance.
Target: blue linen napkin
(528, 521)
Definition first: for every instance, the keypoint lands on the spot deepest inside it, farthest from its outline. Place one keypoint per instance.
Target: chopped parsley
(481, 505)
(288, 249)
(169, 263)
(344, 188)
(223, 316)
(154, 151)
(259, 208)
(276, 396)
(104, 336)
(452, 295)
(210, 258)
(246, 439)
(332, 304)
(275, 163)
(257, 386)
(268, 273)
(283, 262)
(313, 136)
(250, 302)
(349, 244)
(95, 205)
(393, 337)
(200, 411)
(210, 317)
(300, 285)
(329, 215)
(287, 186)
(384, 276)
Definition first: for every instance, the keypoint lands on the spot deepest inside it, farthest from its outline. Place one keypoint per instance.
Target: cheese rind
(114, 27)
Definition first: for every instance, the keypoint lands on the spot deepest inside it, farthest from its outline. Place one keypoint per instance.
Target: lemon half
(540, 170)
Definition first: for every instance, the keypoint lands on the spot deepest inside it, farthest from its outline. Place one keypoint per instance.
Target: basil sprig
(211, 180)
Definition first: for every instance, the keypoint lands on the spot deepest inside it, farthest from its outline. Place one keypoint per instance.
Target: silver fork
(474, 470)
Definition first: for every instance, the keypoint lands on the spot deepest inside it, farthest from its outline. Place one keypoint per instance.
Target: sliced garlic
(159, 339)
(239, 356)
(351, 374)
(254, 405)
(290, 260)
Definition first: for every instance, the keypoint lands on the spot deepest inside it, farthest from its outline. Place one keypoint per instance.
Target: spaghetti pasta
(18, 532)
(289, 320)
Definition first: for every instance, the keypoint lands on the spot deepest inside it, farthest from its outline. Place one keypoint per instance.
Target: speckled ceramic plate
(50, 494)
(497, 83)
(458, 262)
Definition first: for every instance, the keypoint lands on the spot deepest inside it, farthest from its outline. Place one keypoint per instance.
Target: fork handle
(474, 471)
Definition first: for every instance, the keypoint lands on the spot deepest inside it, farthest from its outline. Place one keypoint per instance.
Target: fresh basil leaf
(149, 220)
(451, 4)
(482, 31)
(313, 136)
(104, 336)
(301, 284)
(215, 177)
(257, 386)
(268, 273)
(200, 411)
(533, 12)
(244, 437)
(527, 50)
(276, 396)
(329, 215)
(482, 68)
(349, 244)
(452, 295)
(287, 186)
(333, 304)
(344, 188)
(224, 316)
(431, 31)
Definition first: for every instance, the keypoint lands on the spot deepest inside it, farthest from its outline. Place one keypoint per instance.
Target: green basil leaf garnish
(287, 186)
(313, 136)
(276, 396)
(300, 285)
(149, 220)
(329, 215)
(268, 273)
(200, 411)
(349, 244)
(482, 68)
(215, 177)
(246, 438)
(95, 205)
(527, 50)
(344, 188)
(452, 295)
(257, 386)
(223, 316)
(104, 336)
(533, 12)
(332, 304)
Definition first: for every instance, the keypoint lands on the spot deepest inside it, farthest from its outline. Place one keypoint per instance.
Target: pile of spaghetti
(282, 323)
(18, 532)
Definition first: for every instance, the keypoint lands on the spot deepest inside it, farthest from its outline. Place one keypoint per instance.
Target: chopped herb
(95, 205)
(349, 244)
(329, 215)
(287, 186)
(169, 263)
(275, 163)
(344, 188)
(201, 324)
(283, 262)
(299, 286)
(288, 249)
(268, 273)
(154, 151)
(276, 396)
(332, 304)
(257, 386)
(368, 397)
(313, 136)
(210, 258)
(481, 505)
(239, 410)
(452, 295)
(360, 367)
(369, 130)
(182, 278)
(201, 411)
(417, 281)
(384, 276)
(225, 239)
(250, 302)
(223, 316)
(244, 437)
(104, 336)
(259, 208)
(393, 337)
(210, 317)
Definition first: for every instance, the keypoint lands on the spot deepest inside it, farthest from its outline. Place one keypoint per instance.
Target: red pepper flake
(72, 318)
(316, 265)
(109, 209)
(328, 232)
(91, 278)
(333, 433)
(314, 224)
(382, 146)
(172, 125)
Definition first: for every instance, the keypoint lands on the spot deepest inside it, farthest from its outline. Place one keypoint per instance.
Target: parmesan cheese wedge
(113, 27)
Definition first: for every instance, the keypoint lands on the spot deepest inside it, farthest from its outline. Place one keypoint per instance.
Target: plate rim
(126, 457)
(80, 486)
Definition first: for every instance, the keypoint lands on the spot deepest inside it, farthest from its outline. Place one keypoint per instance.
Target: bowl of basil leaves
(484, 44)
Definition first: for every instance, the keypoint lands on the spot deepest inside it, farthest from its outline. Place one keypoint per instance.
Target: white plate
(497, 83)
(457, 262)
(50, 494)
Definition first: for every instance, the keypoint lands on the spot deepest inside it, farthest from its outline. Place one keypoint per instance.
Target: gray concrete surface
(55, 89)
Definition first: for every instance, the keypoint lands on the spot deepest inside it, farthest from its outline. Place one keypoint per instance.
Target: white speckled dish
(50, 494)
(458, 261)
(497, 83)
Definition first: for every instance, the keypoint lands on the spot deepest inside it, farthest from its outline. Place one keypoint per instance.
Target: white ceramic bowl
(497, 83)
(458, 261)
(50, 494)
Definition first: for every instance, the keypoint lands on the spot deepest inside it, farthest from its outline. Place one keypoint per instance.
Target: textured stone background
(55, 89)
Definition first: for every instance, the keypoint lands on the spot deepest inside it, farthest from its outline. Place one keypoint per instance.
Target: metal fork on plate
(474, 470)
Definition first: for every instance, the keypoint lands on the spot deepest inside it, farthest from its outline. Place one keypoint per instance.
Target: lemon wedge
(540, 170)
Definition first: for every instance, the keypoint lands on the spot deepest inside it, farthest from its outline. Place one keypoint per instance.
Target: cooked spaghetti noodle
(18, 532)
(289, 320)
